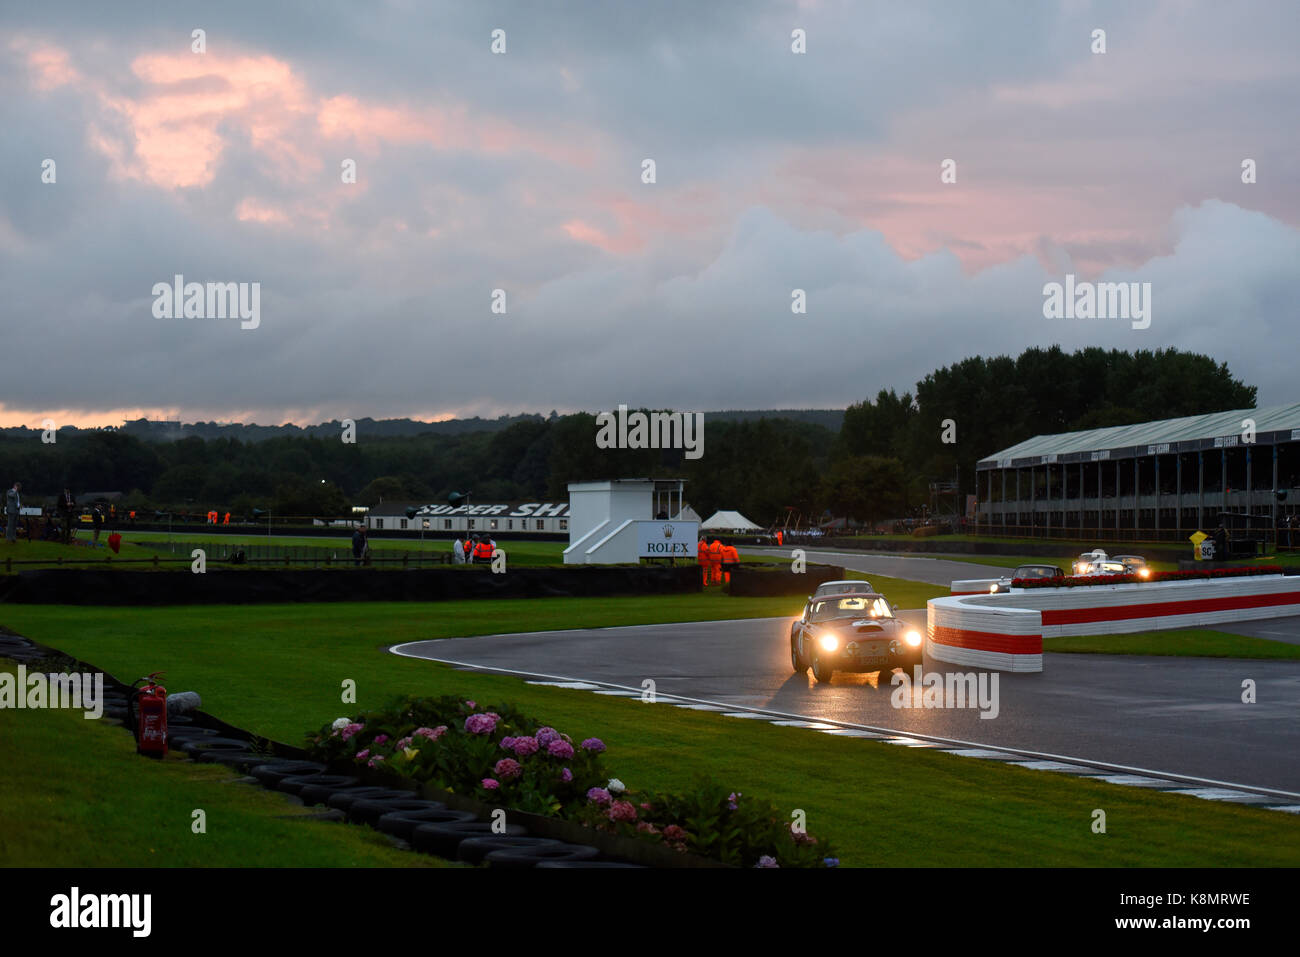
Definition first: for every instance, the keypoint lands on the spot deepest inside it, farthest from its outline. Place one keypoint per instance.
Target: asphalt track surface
(1181, 716)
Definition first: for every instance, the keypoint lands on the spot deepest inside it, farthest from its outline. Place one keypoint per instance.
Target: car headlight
(913, 638)
(828, 640)
(1144, 573)
(993, 588)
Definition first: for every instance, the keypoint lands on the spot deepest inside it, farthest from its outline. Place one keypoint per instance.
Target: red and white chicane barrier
(1005, 631)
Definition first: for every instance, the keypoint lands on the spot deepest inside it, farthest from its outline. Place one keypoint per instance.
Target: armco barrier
(70, 586)
(1006, 630)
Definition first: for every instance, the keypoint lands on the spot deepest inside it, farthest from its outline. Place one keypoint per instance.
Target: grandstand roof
(1192, 433)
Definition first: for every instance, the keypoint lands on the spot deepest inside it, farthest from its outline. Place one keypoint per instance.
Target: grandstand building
(530, 518)
(1154, 480)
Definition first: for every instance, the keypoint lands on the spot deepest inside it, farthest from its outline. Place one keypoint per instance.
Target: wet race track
(1180, 716)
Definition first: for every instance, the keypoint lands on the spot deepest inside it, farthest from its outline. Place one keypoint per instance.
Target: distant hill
(151, 431)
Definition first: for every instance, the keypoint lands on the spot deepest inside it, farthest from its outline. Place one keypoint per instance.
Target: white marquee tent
(728, 522)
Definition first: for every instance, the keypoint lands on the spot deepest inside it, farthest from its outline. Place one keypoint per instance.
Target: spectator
(67, 512)
(97, 519)
(13, 505)
(359, 544)
(458, 552)
(469, 548)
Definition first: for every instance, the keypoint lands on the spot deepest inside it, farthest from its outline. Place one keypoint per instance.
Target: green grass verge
(1183, 643)
(75, 794)
(881, 804)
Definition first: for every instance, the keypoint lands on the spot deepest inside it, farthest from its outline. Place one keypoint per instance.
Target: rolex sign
(667, 539)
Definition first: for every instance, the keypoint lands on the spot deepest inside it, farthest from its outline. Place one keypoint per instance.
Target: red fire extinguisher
(148, 711)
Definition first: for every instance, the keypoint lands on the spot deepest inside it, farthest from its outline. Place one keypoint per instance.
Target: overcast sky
(522, 171)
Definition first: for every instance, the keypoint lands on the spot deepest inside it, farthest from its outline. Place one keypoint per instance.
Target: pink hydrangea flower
(371, 763)
(381, 738)
(405, 742)
(598, 796)
(645, 827)
(362, 755)
(673, 833)
(350, 730)
(594, 745)
(507, 769)
(566, 775)
(767, 860)
(484, 723)
(559, 748)
(433, 734)
(622, 811)
(525, 746)
(471, 705)
(545, 736)
(508, 743)
(489, 784)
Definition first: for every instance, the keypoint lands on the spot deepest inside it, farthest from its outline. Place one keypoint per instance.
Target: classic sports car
(1026, 571)
(838, 587)
(1133, 565)
(854, 633)
(1097, 562)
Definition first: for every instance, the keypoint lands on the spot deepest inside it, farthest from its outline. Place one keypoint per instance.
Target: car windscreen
(838, 588)
(857, 606)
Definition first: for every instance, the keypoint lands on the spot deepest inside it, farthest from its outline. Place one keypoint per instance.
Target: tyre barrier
(370, 810)
(239, 760)
(313, 794)
(294, 783)
(443, 839)
(178, 736)
(472, 850)
(192, 746)
(517, 858)
(273, 771)
(400, 824)
(344, 799)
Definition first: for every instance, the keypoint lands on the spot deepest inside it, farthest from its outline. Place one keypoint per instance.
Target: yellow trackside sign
(1196, 538)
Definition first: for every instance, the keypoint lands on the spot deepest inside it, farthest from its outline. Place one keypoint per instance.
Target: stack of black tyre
(427, 826)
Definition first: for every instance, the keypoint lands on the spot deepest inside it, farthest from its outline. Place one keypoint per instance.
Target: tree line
(877, 465)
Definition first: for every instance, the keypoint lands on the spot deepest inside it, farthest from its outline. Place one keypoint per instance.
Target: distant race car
(1133, 565)
(1026, 571)
(854, 633)
(1097, 562)
(839, 587)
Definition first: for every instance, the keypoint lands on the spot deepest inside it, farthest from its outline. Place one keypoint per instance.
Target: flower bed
(1083, 581)
(501, 756)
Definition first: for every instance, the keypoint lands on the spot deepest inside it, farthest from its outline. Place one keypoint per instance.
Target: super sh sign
(666, 539)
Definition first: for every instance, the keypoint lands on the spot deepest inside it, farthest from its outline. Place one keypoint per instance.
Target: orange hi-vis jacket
(483, 550)
(715, 560)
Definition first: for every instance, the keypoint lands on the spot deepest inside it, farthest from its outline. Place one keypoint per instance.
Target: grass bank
(277, 670)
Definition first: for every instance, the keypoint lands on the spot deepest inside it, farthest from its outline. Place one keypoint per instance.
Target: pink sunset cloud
(173, 127)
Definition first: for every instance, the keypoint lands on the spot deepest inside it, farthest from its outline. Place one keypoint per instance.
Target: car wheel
(796, 660)
(821, 670)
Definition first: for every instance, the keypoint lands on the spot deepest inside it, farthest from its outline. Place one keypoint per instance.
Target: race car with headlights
(1097, 562)
(854, 633)
(842, 586)
(1026, 571)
